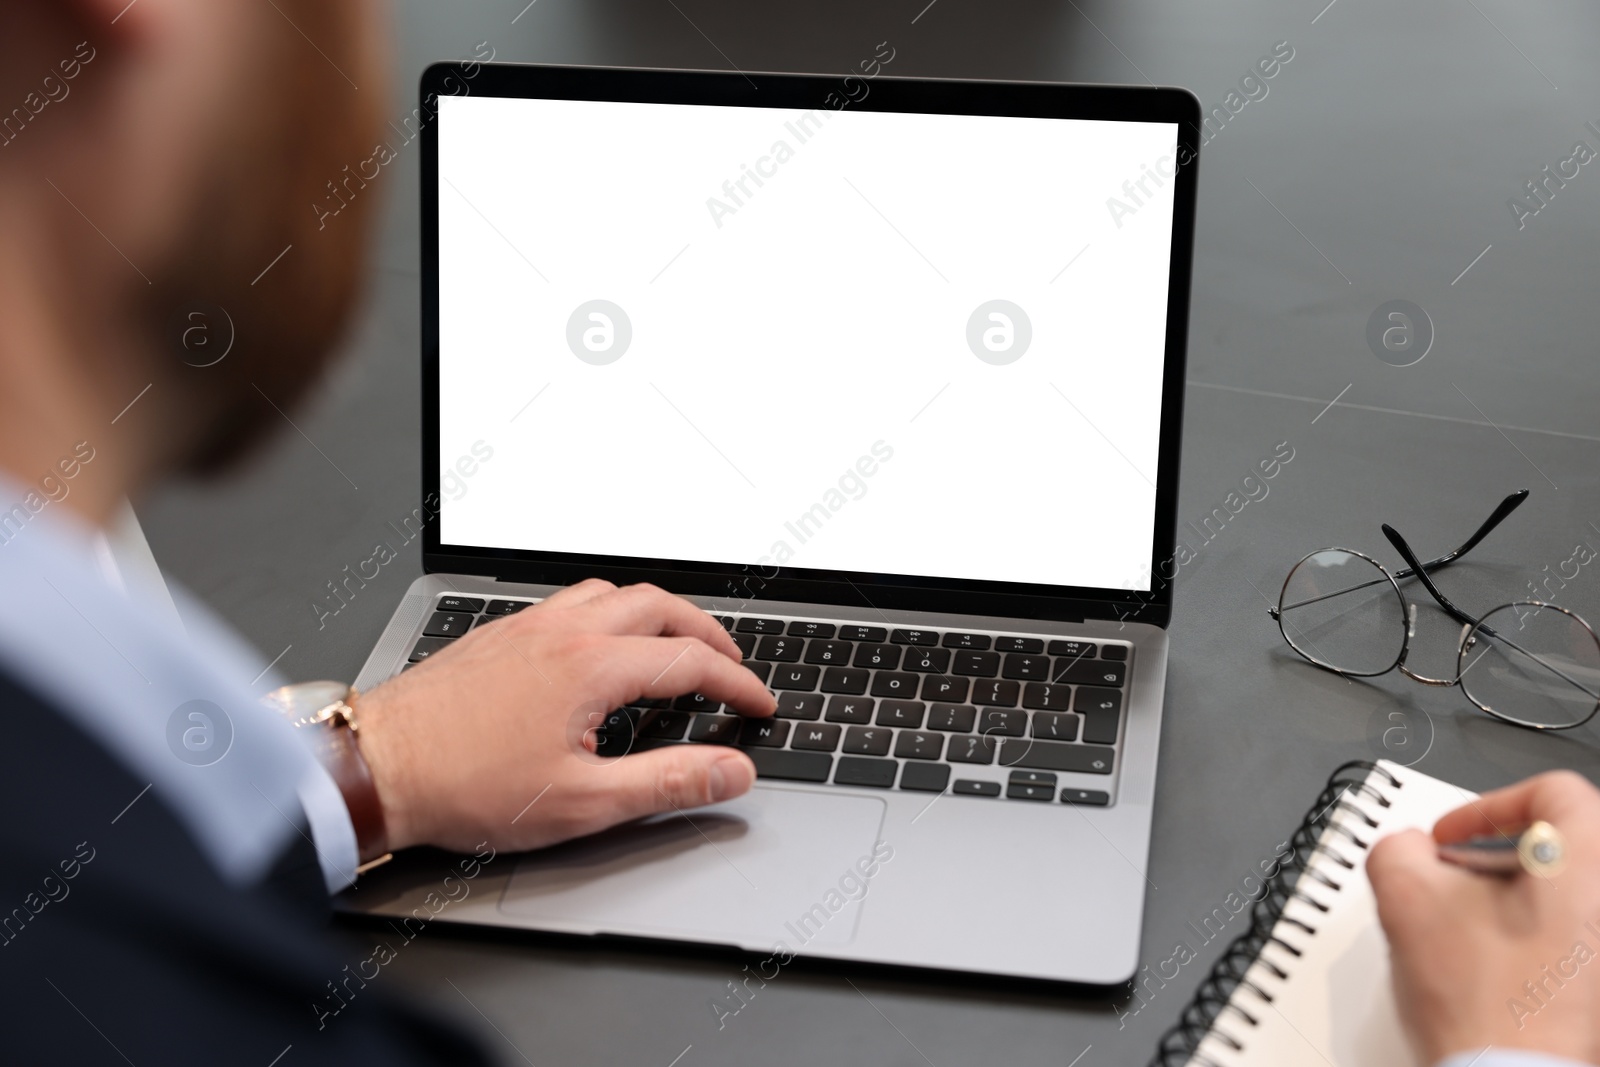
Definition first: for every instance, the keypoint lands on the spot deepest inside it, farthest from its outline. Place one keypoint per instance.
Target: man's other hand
(1486, 960)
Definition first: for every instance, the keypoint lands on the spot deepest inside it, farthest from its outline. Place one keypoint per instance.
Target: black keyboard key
(995, 694)
(971, 748)
(850, 709)
(895, 684)
(851, 680)
(696, 702)
(780, 649)
(995, 722)
(1033, 778)
(715, 729)
(1030, 645)
(1027, 668)
(1114, 651)
(447, 624)
(883, 657)
(812, 629)
(863, 633)
(957, 718)
(791, 766)
(1050, 756)
(615, 734)
(759, 626)
(820, 736)
(507, 607)
(977, 664)
(943, 687)
(966, 787)
(484, 620)
(470, 605)
(767, 733)
(1042, 696)
(828, 653)
(1053, 726)
(903, 713)
(925, 777)
(914, 637)
(799, 705)
(915, 744)
(746, 643)
(1089, 672)
(427, 646)
(618, 733)
(665, 726)
(651, 702)
(1100, 727)
(725, 621)
(1101, 700)
(853, 770)
(867, 740)
(975, 642)
(924, 660)
(1030, 792)
(1072, 649)
(795, 676)
(1089, 797)
(760, 668)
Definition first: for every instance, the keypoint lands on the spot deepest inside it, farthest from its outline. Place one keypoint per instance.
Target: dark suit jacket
(144, 955)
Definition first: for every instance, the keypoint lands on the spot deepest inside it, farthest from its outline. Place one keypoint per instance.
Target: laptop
(886, 374)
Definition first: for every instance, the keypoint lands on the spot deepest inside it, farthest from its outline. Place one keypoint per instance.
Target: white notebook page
(1336, 1005)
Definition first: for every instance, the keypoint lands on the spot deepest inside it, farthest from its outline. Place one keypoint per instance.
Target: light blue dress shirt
(86, 639)
(1506, 1057)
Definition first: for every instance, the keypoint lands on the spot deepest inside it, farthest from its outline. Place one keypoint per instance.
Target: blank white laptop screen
(908, 344)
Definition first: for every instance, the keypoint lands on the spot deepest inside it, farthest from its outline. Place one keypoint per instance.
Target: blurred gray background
(1379, 166)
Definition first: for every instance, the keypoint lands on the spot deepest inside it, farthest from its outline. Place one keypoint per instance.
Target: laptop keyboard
(981, 714)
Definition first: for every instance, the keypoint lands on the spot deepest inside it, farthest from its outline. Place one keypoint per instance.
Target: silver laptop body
(963, 769)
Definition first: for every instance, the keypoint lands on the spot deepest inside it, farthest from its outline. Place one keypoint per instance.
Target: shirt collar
(175, 703)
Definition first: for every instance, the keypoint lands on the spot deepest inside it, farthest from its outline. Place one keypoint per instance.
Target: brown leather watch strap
(341, 755)
(329, 709)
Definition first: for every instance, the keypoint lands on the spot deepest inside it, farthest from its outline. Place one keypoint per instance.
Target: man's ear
(38, 35)
(109, 18)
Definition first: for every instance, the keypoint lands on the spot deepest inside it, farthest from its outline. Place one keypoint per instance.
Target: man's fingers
(1406, 876)
(672, 666)
(573, 595)
(675, 778)
(647, 611)
(1563, 798)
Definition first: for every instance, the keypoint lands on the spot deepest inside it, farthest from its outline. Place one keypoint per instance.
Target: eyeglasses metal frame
(1471, 628)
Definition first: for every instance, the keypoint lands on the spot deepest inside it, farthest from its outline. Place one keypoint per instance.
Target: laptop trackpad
(774, 865)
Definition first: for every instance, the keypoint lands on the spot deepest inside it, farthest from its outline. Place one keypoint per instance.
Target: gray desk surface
(1378, 166)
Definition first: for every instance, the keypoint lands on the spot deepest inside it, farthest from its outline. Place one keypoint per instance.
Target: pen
(1540, 849)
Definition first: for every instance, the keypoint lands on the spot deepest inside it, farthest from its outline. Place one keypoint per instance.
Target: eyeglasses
(1527, 663)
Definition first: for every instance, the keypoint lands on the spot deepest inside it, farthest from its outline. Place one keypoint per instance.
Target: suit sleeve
(120, 935)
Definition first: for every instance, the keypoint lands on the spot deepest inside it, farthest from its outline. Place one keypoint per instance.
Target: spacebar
(795, 766)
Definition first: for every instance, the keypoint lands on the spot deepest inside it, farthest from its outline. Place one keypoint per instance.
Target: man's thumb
(680, 776)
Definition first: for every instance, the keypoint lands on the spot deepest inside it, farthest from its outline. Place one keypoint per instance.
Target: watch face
(302, 702)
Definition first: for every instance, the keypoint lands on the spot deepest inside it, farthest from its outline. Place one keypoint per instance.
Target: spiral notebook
(1309, 981)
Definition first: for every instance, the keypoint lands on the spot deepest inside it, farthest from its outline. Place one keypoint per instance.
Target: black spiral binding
(1178, 1045)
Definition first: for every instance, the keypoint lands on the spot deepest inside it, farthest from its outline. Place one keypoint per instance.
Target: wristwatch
(329, 708)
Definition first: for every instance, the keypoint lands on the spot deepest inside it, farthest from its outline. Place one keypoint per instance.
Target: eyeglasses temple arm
(1506, 507)
(1421, 572)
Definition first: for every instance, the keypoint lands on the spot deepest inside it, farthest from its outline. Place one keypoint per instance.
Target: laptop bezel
(740, 582)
